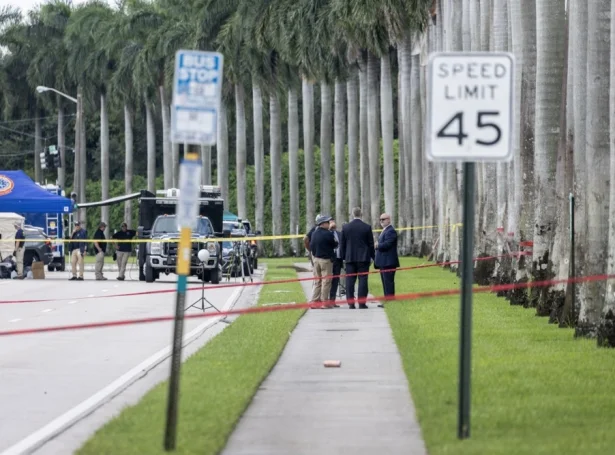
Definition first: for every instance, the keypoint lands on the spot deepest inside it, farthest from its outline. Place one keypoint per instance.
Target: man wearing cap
(322, 246)
(19, 250)
(100, 248)
(123, 248)
(77, 251)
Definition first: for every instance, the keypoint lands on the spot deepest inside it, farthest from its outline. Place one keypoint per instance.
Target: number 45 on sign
(470, 107)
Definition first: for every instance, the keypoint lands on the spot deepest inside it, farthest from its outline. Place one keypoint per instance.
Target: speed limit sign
(470, 106)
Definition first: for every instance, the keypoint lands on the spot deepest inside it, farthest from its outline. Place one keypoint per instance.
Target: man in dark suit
(386, 255)
(357, 250)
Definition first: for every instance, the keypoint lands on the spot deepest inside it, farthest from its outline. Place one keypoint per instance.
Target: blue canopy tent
(19, 194)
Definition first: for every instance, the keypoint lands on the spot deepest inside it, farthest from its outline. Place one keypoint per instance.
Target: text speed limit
(470, 107)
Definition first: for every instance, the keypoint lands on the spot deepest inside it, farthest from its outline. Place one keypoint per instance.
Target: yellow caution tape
(223, 239)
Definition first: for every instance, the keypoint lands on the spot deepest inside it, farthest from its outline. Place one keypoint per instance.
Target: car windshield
(34, 237)
(168, 225)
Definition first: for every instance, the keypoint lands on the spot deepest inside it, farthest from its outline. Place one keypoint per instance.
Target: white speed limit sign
(470, 106)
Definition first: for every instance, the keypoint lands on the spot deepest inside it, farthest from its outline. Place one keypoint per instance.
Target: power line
(25, 120)
(30, 135)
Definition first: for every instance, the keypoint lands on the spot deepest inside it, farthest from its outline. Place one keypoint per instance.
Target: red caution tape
(297, 306)
(261, 283)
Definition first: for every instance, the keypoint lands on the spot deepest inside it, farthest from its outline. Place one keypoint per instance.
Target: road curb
(60, 424)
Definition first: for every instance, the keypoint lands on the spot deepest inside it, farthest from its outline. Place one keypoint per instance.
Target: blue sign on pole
(197, 90)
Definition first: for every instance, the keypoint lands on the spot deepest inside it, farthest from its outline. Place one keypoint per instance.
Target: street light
(80, 149)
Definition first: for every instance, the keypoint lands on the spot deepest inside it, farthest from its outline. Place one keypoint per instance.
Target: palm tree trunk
(500, 43)
(222, 152)
(151, 147)
(293, 163)
(240, 128)
(598, 155)
(259, 158)
(83, 159)
(401, 160)
(550, 45)
(275, 153)
(104, 160)
(373, 133)
(605, 330)
(405, 122)
(563, 186)
(61, 147)
(307, 94)
(354, 184)
(77, 155)
(417, 152)
(339, 127)
(363, 142)
(38, 147)
(579, 22)
(387, 123)
(129, 144)
(485, 23)
(326, 118)
(206, 160)
(167, 158)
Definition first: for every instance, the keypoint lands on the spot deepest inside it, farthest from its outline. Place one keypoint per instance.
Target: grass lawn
(217, 382)
(535, 389)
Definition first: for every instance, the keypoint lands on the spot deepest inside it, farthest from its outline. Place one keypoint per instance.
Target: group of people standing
(78, 246)
(354, 247)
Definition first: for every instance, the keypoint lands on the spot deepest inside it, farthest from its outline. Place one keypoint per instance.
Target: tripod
(203, 299)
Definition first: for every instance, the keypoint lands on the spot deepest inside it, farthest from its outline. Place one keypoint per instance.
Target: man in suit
(386, 255)
(357, 250)
(337, 262)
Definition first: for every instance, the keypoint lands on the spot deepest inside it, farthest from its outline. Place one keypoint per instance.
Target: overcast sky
(27, 5)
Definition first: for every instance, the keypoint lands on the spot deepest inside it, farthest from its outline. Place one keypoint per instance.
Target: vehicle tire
(149, 274)
(214, 275)
(51, 267)
(62, 266)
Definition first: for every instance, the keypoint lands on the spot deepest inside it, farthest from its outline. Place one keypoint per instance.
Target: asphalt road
(43, 376)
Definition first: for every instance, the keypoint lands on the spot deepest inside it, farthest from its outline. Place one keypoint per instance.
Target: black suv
(38, 246)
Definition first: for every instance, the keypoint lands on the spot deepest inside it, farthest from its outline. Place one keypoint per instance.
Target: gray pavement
(47, 375)
(363, 407)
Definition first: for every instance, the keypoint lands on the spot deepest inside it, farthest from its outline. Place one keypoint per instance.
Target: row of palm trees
(366, 59)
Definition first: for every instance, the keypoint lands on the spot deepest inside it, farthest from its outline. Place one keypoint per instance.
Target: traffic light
(55, 155)
(44, 161)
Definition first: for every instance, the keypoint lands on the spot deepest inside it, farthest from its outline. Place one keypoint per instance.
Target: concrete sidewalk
(364, 407)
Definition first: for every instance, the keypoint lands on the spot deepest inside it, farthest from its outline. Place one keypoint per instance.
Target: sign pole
(467, 279)
(187, 212)
(469, 119)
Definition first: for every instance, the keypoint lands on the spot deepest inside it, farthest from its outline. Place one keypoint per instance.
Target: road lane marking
(43, 435)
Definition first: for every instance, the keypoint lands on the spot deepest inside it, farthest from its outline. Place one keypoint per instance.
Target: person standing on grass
(387, 259)
(322, 245)
(77, 251)
(123, 249)
(337, 262)
(101, 249)
(357, 250)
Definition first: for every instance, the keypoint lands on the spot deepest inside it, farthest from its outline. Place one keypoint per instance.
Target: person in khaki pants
(101, 249)
(123, 249)
(322, 246)
(77, 251)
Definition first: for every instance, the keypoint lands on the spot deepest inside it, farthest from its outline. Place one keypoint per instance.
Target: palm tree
(326, 125)
(387, 123)
(340, 152)
(293, 162)
(259, 157)
(352, 97)
(597, 152)
(307, 95)
(241, 154)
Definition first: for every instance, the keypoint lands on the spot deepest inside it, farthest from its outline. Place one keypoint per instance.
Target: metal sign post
(469, 119)
(196, 101)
